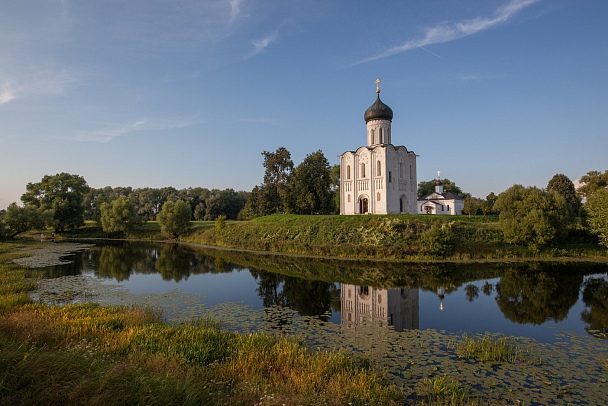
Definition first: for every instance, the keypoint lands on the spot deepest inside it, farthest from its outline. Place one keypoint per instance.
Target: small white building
(440, 202)
(378, 178)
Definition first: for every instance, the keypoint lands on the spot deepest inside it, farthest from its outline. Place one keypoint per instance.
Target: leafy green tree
(63, 194)
(226, 203)
(597, 212)
(278, 166)
(174, 217)
(269, 197)
(563, 186)
(488, 205)
(309, 189)
(592, 181)
(19, 219)
(335, 185)
(428, 187)
(529, 215)
(120, 216)
(472, 206)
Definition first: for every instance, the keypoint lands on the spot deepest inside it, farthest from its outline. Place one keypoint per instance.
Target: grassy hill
(395, 237)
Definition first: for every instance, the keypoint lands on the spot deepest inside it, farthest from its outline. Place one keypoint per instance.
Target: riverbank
(378, 238)
(124, 352)
(391, 237)
(86, 354)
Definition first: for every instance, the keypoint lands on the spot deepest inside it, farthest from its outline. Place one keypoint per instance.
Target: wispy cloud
(449, 32)
(137, 127)
(6, 95)
(261, 44)
(235, 9)
(109, 134)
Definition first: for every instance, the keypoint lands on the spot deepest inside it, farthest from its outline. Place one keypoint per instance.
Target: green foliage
(592, 181)
(220, 222)
(174, 218)
(531, 216)
(561, 185)
(309, 187)
(437, 240)
(335, 185)
(278, 166)
(597, 211)
(63, 194)
(120, 216)
(19, 219)
(428, 187)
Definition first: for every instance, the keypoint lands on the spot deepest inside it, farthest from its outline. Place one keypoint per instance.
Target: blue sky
(189, 93)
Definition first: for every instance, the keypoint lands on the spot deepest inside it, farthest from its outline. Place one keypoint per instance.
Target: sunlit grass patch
(493, 348)
(443, 391)
(189, 344)
(54, 325)
(269, 370)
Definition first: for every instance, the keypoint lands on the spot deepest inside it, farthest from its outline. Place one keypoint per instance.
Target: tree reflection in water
(595, 297)
(533, 297)
(307, 297)
(172, 261)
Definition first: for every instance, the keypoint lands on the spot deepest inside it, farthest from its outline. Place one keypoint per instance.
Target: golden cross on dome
(438, 174)
(378, 85)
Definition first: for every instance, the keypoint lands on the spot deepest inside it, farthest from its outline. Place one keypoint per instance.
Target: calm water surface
(537, 301)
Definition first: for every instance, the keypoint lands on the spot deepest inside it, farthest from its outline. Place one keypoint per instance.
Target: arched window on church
(411, 172)
(390, 176)
(348, 198)
(401, 175)
(378, 196)
(362, 170)
(373, 134)
(380, 138)
(347, 171)
(378, 168)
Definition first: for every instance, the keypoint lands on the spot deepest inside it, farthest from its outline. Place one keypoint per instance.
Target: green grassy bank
(374, 237)
(397, 237)
(85, 354)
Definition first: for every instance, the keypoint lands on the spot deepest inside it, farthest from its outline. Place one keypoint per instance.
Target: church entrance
(403, 204)
(363, 205)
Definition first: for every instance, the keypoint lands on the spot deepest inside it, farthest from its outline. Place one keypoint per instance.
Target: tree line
(65, 201)
(527, 215)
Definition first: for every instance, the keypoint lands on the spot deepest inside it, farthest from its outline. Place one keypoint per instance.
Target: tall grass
(493, 348)
(86, 354)
(442, 391)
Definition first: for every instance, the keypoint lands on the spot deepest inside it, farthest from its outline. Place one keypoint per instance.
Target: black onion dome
(438, 183)
(378, 111)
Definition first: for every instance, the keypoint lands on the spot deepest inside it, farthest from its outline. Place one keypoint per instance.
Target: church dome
(378, 111)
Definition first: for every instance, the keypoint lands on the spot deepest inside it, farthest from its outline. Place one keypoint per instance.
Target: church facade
(378, 178)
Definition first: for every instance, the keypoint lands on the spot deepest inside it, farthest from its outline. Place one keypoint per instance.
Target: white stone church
(378, 178)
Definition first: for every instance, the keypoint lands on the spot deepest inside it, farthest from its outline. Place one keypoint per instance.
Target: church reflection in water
(366, 305)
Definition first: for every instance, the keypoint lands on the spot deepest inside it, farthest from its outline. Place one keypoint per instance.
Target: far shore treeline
(557, 216)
